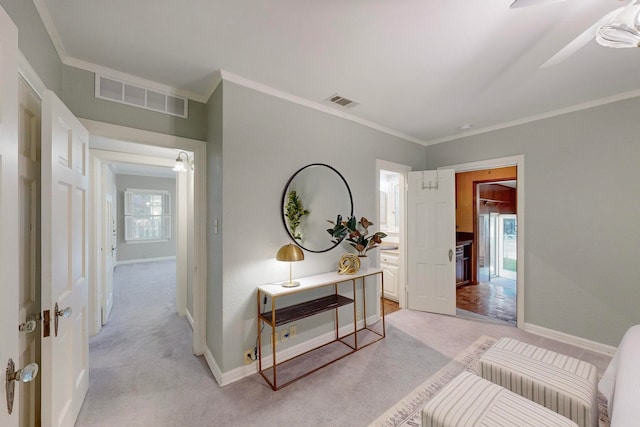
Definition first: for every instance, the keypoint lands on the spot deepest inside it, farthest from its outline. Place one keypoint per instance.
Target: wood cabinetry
(391, 273)
(463, 263)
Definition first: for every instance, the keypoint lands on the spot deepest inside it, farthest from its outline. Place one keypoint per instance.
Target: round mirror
(314, 194)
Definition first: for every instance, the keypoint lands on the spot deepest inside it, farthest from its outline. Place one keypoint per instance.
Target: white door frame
(517, 161)
(9, 209)
(402, 258)
(198, 148)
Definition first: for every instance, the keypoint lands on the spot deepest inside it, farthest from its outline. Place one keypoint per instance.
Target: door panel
(29, 265)
(110, 249)
(431, 241)
(65, 353)
(9, 212)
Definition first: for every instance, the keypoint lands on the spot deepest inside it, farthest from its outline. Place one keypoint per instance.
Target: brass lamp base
(290, 284)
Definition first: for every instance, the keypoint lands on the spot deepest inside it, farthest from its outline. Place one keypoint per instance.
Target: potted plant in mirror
(357, 234)
(294, 213)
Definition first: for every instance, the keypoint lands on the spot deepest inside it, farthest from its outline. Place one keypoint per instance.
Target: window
(147, 215)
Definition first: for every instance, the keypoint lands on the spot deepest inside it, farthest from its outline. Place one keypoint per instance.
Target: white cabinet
(390, 272)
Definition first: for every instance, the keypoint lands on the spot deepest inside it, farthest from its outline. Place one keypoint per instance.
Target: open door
(431, 241)
(65, 180)
(110, 244)
(9, 217)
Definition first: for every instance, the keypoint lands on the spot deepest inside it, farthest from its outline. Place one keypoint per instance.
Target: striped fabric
(561, 383)
(469, 400)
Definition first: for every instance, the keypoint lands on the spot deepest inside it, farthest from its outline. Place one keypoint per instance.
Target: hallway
(495, 299)
(142, 358)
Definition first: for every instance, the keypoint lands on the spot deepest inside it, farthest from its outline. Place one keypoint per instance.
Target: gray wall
(141, 251)
(34, 42)
(582, 187)
(79, 96)
(264, 141)
(214, 211)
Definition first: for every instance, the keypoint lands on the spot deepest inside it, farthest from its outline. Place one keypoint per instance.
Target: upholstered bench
(561, 383)
(469, 400)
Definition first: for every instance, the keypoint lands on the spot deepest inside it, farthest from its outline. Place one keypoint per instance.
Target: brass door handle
(24, 375)
(65, 312)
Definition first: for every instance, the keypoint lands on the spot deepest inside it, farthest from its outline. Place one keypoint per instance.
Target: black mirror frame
(284, 195)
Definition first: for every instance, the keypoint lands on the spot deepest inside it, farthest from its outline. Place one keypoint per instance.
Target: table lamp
(290, 253)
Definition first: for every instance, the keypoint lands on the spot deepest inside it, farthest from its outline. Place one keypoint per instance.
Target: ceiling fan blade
(579, 42)
(526, 3)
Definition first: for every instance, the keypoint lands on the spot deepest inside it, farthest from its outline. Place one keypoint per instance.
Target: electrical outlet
(284, 335)
(358, 315)
(292, 332)
(248, 356)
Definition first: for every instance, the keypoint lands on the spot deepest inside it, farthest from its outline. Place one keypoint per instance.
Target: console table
(278, 316)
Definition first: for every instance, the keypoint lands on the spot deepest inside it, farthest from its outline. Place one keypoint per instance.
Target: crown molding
(268, 90)
(26, 71)
(43, 11)
(54, 35)
(549, 114)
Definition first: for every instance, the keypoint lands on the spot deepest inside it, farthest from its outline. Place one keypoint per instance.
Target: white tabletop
(317, 281)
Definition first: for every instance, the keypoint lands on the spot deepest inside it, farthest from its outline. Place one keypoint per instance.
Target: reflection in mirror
(321, 193)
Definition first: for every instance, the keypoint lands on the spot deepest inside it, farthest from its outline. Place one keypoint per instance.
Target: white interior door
(9, 209)
(431, 241)
(109, 252)
(29, 266)
(65, 352)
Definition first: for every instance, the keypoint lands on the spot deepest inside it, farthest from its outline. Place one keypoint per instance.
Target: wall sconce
(290, 253)
(181, 165)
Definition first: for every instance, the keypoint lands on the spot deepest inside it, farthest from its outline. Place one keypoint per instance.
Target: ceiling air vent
(150, 99)
(341, 101)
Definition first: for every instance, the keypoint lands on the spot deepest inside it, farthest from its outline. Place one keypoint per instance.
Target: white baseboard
(189, 318)
(570, 339)
(289, 353)
(137, 261)
(213, 366)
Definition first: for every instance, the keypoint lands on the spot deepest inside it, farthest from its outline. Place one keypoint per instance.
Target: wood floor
(495, 299)
(390, 306)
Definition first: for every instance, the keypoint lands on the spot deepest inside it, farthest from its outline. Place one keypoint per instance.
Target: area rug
(408, 412)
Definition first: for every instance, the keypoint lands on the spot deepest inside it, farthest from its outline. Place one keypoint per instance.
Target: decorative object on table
(349, 264)
(290, 253)
(294, 213)
(357, 234)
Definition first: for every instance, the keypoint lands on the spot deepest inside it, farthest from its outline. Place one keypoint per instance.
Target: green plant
(356, 234)
(294, 213)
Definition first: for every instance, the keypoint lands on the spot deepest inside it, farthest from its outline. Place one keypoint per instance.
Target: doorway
(390, 179)
(116, 144)
(469, 225)
(493, 294)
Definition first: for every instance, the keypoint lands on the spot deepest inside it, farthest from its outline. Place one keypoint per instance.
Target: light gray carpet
(142, 372)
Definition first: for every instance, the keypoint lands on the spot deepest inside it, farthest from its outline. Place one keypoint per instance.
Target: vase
(364, 262)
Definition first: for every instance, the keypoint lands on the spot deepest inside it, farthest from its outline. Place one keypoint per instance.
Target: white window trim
(166, 215)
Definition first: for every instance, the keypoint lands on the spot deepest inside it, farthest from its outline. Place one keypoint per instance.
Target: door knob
(65, 312)
(31, 324)
(24, 375)
(450, 255)
(28, 326)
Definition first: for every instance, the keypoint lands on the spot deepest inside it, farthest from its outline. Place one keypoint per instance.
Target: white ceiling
(420, 67)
